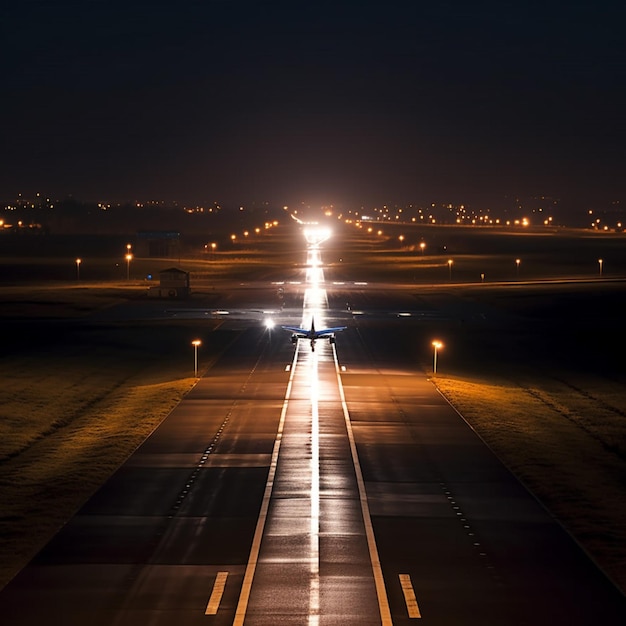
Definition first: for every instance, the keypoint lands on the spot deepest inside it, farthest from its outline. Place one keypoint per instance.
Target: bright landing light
(315, 235)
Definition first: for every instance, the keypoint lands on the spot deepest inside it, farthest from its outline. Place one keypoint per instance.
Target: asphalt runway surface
(324, 487)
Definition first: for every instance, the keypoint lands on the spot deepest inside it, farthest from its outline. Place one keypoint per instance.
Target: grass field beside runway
(76, 400)
(566, 447)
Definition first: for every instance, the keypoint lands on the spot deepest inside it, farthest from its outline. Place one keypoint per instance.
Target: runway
(325, 487)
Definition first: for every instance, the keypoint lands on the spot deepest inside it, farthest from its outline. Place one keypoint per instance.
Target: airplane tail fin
(312, 324)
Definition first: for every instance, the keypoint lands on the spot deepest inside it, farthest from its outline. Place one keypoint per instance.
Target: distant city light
(38, 208)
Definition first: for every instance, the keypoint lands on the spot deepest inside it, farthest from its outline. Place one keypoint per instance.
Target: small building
(173, 283)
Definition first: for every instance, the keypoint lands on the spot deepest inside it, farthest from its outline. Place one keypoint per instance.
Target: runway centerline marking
(409, 596)
(216, 594)
(246, 586)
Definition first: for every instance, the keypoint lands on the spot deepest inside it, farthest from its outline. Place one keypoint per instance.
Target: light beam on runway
(314, 591)
(315, 297)
(315, 300)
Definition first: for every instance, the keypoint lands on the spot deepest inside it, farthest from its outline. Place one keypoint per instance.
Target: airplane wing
(295, 329)
(317, 333)
(328, 331)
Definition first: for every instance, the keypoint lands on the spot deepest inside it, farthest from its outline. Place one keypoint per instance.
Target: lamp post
(78, 262)
(450, 268)
(195, 343)
(129, 256)
(600, 264)
(422, 247)
(437, 345)
(517, 262)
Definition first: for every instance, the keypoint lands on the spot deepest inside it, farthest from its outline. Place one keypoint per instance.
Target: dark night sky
(322, 102)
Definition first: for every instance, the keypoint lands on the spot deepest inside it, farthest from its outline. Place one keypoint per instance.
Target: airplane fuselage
(313, 335)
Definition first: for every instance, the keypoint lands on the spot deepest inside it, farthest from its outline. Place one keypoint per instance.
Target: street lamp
(128, 258)
(195, 343)
(517, 262)
(450, 268)
(600, 263)
(422, 247)
(437, 345)
(78, 262)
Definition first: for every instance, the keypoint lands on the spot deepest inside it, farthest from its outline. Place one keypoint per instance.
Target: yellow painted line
(216, 594)
(379, 581)
(246, 587)
(409, 596)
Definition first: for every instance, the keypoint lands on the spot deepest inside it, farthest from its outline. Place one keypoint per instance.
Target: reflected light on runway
(314, 271)
(314, 592)
(314, 257)
(315, 295)
(314, 275)
(315, 303)
(315, 300)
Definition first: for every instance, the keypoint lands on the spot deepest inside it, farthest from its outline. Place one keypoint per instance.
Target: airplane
(313, 335)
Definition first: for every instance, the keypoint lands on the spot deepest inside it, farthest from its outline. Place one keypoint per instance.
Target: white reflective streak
(314, 301)
(314, 591)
